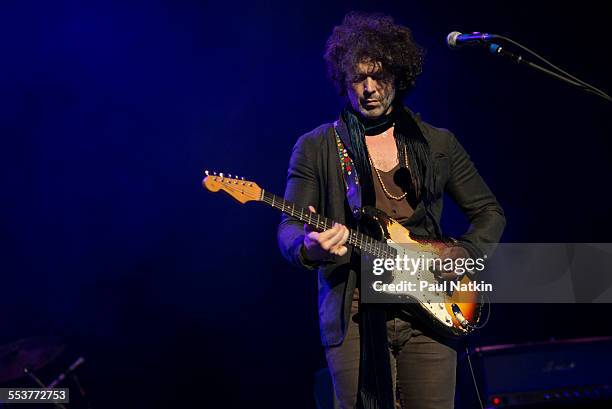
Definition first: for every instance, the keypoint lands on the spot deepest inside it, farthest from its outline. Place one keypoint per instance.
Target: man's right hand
(318, 246)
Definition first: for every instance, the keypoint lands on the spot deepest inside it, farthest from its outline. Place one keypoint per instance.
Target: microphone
(456, 39)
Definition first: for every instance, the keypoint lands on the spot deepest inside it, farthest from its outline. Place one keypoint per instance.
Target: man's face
(369, 90)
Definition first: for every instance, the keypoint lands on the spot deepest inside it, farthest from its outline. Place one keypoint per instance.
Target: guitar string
(367, 243)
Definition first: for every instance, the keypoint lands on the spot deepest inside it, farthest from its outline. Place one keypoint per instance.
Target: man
(403, 166)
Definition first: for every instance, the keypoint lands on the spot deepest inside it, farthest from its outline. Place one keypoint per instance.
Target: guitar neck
(357, 239)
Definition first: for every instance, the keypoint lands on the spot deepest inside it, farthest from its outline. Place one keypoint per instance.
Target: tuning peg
(221, 174)
(215, 173)
(230, 175)
(242, 178)
(206, 172)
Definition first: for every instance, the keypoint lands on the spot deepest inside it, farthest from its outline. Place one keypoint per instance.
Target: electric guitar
(451, 313)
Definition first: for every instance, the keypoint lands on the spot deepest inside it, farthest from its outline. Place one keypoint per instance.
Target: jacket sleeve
(303, 190)
(467, 188)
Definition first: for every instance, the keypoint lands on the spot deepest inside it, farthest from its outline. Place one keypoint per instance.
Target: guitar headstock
(238, 188)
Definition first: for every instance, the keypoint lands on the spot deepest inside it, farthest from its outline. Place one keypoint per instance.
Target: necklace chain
(389, 195)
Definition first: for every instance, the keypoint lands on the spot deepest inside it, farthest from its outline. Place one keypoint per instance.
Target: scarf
(375, 382)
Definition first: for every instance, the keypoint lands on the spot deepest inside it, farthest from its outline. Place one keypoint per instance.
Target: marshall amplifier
(567, 373)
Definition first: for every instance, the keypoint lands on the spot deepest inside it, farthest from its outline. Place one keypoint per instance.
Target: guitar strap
(375, 381)
(351, 180)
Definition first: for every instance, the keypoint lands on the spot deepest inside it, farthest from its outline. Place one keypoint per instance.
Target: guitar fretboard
(357, 239)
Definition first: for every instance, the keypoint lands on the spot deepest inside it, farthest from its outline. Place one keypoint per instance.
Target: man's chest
(383, 150)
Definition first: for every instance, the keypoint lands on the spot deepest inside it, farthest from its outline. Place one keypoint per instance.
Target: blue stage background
(110, 112)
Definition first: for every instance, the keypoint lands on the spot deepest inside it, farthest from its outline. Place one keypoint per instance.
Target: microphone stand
(499, 50)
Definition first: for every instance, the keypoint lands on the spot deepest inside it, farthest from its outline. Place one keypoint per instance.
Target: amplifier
(572, 372)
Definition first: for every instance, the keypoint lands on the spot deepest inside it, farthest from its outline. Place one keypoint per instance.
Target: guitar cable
(467, 354)
(469, 359)
(488, 303)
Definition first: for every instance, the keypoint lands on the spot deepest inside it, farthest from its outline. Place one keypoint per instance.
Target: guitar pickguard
(434, 302)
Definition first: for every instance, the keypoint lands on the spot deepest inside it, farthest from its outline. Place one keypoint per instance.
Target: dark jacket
(314, 178)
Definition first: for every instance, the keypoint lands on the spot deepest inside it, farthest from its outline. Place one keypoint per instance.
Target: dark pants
(423, 369)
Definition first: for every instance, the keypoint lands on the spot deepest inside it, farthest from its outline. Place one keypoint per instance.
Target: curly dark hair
(373, 38)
